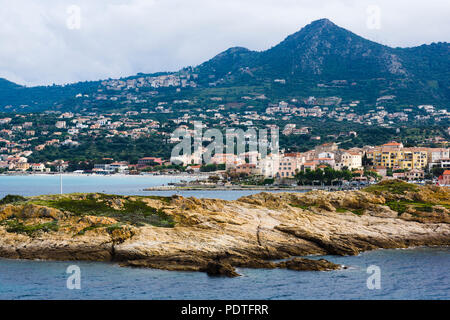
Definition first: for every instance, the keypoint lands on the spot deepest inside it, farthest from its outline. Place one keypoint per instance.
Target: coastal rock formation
(301, 264)
(217, 236)
(215, 268)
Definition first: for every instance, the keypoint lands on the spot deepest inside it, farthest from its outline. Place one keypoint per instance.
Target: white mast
(60, 179)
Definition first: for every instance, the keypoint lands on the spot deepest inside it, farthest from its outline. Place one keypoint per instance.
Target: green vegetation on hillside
(11, 198)
(15, 226)
(392, 186)
(131, 210)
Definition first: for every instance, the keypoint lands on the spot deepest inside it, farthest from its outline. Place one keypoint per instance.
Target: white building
(437, 155)
(351, 160)
(269, 166)
(60, 124)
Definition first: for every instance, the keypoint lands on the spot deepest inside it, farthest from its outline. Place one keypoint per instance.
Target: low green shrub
(15, 226)
(11, 198)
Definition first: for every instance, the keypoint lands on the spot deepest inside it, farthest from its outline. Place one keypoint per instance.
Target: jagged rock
(382, 212)
(302, 264)
(215, 268)
(96, 220)
(122, 234)
(28, 211)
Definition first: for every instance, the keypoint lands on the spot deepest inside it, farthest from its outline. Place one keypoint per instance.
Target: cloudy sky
(59, 41)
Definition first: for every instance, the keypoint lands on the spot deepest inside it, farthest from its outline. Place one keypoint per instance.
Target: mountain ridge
(322, 51)
(327, 30)
(318, 53)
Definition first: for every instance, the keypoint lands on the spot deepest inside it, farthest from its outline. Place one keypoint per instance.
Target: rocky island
(266, 230)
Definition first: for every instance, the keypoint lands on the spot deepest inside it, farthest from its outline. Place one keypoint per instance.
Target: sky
(58, 41)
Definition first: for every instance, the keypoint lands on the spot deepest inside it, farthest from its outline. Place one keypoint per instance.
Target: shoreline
(249, 188)
(217, 236)
(118, 175)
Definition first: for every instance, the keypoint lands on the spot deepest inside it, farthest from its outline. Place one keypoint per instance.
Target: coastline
(248, 188)
(217, 236)
(118, 175)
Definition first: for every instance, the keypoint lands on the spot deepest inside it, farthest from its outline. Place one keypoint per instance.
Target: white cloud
(119, 38)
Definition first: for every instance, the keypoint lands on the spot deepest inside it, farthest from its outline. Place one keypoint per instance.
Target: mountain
(322, 60)
(20, 98)
(8, 90)
(321, 49)
(7, 85)
(323, 52)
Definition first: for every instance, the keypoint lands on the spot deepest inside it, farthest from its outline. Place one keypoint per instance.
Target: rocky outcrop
(217, 236)
(27, 211)
(216, 268)
(301, 264)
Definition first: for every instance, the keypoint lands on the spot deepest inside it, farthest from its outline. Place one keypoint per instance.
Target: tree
(319, 176)
(301, 177)
(347, 175)
(366, 161)
(437, 172)
(329, 175)
(310, 176)
(389, 172)
(214, 179)
(373, 174)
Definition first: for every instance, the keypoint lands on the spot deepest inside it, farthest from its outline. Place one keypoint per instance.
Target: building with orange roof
(444, 179)
(393, 145)
(349, 159)
(394, 155)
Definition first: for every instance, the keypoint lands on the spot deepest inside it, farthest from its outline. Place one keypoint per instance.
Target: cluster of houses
(68, 130)
(402, 163)
(20, 163)
(125, 167)
(284, 165)
(129, 90)
(348, 112)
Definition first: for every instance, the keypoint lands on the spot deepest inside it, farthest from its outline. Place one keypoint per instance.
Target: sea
(414, 273)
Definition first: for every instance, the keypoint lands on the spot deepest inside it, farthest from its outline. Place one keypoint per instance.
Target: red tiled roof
(392, 144)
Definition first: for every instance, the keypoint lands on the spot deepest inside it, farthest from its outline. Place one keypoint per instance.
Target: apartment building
(437, 156)
(394, 155)
(350, 159)
(289, 165)
(269, 166)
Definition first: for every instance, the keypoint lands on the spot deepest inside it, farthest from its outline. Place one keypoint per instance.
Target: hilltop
(321, 59)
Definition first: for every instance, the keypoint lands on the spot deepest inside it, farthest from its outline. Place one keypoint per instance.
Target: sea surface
(33, 185)
(416, 273)
(420, 273)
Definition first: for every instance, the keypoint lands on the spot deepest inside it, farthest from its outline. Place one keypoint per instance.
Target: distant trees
(437, 171)
(80, 165)
(212, 167)
(327, 176)
(98, 148)
(372, 174)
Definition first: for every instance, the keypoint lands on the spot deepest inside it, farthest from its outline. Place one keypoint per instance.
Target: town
(63, 142)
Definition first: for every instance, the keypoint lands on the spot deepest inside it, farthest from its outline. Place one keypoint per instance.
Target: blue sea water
(418, 273)
(32, 185)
